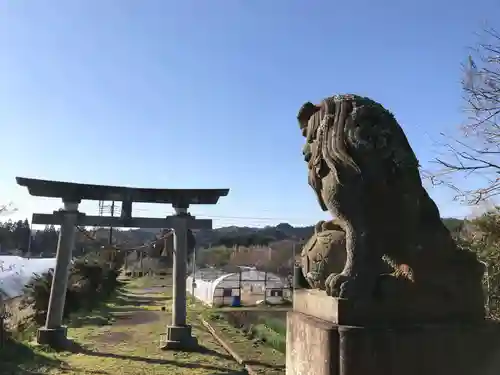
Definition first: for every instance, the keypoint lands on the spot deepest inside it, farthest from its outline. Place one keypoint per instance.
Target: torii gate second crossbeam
(178, 335)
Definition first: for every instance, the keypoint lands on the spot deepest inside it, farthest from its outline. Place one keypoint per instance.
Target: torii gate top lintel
(71, 191)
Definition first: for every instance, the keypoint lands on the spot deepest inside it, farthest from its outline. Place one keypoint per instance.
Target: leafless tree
(477, 150)
(6, 209)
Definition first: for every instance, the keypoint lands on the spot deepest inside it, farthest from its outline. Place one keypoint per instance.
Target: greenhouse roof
(209, 274)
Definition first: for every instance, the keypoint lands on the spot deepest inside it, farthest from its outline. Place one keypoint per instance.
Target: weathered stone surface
(323, 254)
(365, 173)
(54, 337)
(319, 347)
(317, 303)
(179, 338)
(312, 345)
(448, 349)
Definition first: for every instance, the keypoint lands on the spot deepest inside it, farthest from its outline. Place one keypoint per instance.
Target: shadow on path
(76, 348)
(137, 300)
(18, 358)
(126, 309)
(267, 365)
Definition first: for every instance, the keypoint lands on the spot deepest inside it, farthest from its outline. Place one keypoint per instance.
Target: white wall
(202, 290)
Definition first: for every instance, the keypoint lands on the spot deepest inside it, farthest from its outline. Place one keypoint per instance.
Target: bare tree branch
(7, 209)
(478, 151)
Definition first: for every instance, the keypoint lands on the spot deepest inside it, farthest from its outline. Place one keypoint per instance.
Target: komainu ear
(319, 226)
(305, 112)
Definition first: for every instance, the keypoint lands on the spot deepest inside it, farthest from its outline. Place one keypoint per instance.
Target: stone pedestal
(54, 337)
(311, 345)
(320, 342)
(179, 338)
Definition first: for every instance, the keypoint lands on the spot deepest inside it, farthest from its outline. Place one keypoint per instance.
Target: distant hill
(226, 236)
(245, 236)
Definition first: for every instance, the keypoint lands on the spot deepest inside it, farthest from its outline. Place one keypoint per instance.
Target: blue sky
(204, 94)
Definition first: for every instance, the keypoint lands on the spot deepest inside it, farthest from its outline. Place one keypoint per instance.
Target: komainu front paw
(343, 285)
(334, 284)
(314, 279)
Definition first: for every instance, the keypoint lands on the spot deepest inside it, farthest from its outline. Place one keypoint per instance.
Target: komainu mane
(365, 173)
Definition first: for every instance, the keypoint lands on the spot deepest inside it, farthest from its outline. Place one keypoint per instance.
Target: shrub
(482, 235)
(3, 331)
(36, 296)
(89, 282)
(93, 272)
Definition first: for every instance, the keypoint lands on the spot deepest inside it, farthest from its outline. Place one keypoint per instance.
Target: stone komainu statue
(388, 235)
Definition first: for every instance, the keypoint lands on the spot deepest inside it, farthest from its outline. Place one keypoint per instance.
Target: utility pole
(193, 280)
(103, 208)
(141, 263)
(294, 270)
(110, 239)
(164, 251)
(29, 241)
(126, 261)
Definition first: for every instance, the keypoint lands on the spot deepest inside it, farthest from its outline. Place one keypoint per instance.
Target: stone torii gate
(178, 333)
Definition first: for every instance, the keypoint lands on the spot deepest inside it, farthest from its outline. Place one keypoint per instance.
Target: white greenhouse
(249, 287)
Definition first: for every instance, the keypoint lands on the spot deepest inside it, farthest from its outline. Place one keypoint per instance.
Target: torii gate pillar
(178, 335)
(54, 333)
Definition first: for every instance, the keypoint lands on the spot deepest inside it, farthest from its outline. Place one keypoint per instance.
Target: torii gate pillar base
(179, 338)
(54, 337)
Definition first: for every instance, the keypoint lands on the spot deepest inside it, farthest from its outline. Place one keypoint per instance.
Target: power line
(208, 216)
(245, 218)
(93, 238)
(235, 217)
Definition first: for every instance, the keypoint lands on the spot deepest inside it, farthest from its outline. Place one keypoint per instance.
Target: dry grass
(262, 358)
(123, 338)
(15, 314)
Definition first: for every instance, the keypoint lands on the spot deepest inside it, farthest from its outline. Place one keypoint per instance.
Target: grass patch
(119, 303)
(20, 358)
(122, 337)
(148, 281)
(268, 336)
(254, 351)
(277, 325)
(267, 326)
(100, 316)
